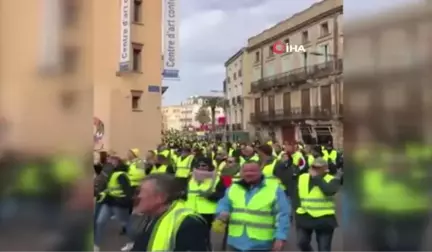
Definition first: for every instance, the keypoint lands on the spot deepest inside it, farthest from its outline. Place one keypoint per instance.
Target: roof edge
(235, 56)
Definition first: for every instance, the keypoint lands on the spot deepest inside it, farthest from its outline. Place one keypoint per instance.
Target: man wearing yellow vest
(331, 156)
(170, 226)
(248, 154)
(115, 200)
(277, 151)
(395, 195)
(220, 160)
(183, 166)
(161, 165)
(316, 211)
(257, 212)
(204, 190)
(274, 169)
(231, 171)
(136, 172)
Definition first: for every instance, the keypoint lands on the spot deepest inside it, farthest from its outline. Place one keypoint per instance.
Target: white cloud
(193, 25)
(213, 69)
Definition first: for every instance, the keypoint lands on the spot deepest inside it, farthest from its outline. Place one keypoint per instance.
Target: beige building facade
(69, 54)
(171, 117)
(235, 94)
(297, 96)
(389, 61)
(190, 108)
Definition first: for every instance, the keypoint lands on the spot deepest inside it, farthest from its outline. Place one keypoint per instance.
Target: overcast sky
(213, 30)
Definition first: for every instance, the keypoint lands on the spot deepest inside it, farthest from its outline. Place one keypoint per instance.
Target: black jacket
(192, 235)
(124, 182)
(101, 179)
(283, 171)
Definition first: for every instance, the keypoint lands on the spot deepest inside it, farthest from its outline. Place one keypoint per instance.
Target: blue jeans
(96, 214)
(104, 215)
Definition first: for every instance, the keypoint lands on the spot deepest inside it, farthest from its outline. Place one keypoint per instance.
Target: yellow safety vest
(195, 201)
(221, 166)
(236, 177)
(230, 152)
(183, 167)
(269, 174)
(383, 194)
(164, 233)
(174, 156)
(253, 158)
(330, 156)
(114, 188)
(165, 153)
(310, 159)
(136, 174)
(64, 171)
(256, 217)
(314, 202)
(296, 156)
(160, 169)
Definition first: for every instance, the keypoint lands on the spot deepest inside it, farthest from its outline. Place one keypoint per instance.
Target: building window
(70, 60)
(239, 73)
(287, 41)
(257, 57)
(70, 13)
(305, 37)
(228, 80)
(305, 59)
(235, 76)
(137, 11)
(136, 54)
(325, 52)
(324, 29)
(270, 51)
(136, 100)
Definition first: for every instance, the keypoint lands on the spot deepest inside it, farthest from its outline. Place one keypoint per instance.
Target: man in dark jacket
(281, 170)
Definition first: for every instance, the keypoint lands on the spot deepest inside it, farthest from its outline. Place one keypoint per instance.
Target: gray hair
(167, 185)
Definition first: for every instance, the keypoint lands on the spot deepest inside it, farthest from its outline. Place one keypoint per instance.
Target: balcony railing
(280, 115)
(297, 76)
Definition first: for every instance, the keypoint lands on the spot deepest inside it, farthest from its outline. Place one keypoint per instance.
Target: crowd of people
(173, 197)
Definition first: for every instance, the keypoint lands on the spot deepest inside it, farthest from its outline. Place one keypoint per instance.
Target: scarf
(201, 175)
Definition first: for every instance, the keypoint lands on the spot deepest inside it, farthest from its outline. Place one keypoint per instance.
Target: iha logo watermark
(280, 48)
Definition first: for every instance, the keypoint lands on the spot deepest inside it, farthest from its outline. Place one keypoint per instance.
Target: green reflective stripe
(254, 212)
(251, 224)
